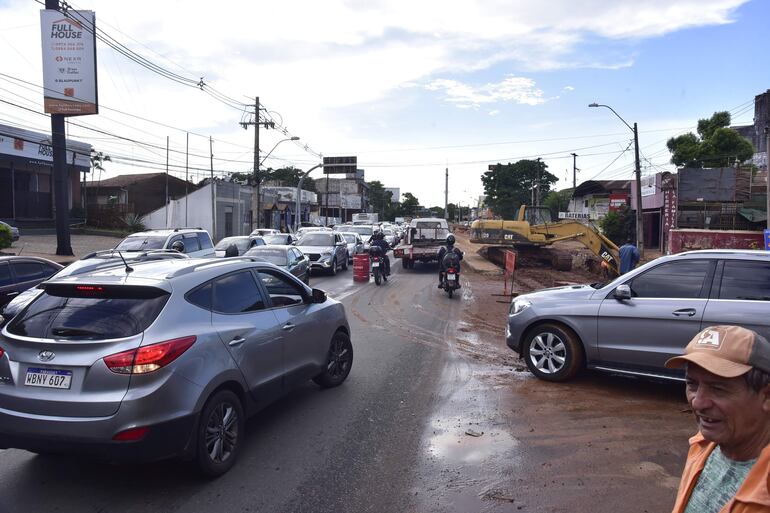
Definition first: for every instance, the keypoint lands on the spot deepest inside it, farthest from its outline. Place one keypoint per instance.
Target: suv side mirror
(319, 296)
(622, 292)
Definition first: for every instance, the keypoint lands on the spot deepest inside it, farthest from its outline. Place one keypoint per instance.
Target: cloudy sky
(409, 87)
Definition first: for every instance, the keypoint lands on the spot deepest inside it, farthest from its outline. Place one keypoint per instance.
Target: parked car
(14, 231)
(242, 243)
(19, 273)
(288, 257)
(164, 361)
(194, 242)
(355, 244)
(280, 239)
(261, 232)
(327, 250)
(89, 263)
(635, 323)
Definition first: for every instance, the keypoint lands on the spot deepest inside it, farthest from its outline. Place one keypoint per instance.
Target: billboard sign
(340, 165)
(573, 215)
(648, 186)
(69, 62)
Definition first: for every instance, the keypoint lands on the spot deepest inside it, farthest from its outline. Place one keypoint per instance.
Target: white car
(193, 242)
(264, 231)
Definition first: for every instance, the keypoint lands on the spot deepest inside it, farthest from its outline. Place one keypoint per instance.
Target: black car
(288, 257)
(19, 273)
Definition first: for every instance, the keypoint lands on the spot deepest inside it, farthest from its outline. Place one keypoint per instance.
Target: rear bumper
(165, 440)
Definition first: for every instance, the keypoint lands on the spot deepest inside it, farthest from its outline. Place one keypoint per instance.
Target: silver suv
(327, 250)
(194, 242)
(633, 324)
(166, 360)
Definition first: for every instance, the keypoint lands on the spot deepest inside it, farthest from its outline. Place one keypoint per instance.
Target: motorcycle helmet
(450, 240)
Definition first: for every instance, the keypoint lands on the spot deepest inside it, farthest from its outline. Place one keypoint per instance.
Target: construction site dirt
(503, 440)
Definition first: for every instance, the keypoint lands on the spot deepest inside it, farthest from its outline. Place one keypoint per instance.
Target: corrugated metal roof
(601, 186)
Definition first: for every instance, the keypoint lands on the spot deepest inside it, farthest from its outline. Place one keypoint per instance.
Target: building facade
(26, 174)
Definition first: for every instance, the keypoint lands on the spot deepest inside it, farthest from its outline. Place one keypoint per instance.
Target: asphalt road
(353, 448)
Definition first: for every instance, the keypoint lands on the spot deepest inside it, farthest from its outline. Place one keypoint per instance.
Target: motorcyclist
(378, 239)
(450, 248)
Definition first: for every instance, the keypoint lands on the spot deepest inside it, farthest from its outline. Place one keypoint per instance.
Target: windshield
(274, 256)
(276, 239)
(98, 313)
(242, 243)
(349, 238)
(316, 239)
(141, 243)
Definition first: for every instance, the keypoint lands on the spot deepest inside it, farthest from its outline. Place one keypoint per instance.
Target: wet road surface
(435, 416)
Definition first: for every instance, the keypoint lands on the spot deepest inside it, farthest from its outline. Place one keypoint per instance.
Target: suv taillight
(1, 352)
(148, 358)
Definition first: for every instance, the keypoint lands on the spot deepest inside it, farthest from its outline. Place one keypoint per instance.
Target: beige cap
(727, 351)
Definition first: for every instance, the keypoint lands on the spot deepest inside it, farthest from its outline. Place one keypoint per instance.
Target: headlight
(326, 254)
(518, 306)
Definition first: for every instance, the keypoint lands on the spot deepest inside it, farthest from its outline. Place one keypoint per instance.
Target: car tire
(345, 264)
(553, 353)
(333, 270)
(405, 263)
(220, 433)
(338, 362)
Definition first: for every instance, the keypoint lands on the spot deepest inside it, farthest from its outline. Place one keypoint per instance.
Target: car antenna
(128, 267)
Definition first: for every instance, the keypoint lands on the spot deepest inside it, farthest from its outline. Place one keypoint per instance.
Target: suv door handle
(13, 293)
(288, 327)
(236, 341)
(689, 312)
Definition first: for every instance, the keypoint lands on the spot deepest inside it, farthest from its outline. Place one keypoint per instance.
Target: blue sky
(412, 87)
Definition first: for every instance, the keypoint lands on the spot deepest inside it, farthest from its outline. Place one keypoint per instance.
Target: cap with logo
(727, 351)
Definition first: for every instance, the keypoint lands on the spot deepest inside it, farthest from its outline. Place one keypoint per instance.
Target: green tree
(410, 205)
(286, 176)
(437, 212)
(509, 186)
(618, 226)
(557, 201)
(379, 198)
(716, 145)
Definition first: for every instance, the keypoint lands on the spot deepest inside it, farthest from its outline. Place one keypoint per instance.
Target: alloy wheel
(547, 353)
(222, 432)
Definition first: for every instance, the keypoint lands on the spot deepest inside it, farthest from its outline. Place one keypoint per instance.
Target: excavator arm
(600, 245)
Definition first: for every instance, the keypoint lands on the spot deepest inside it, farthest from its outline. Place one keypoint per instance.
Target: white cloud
(567, 89)
(494, 112)
(511, 89)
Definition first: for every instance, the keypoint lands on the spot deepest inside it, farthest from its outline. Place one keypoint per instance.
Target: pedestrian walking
(728, 388)
(629, 256)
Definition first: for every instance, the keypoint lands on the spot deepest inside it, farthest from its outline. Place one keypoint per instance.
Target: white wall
(198, 212)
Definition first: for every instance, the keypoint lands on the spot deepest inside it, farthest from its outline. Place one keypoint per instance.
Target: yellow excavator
(533, 228)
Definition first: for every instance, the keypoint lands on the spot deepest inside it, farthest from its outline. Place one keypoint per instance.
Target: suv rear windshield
(87, 312)
(316, 239)
(141, 243)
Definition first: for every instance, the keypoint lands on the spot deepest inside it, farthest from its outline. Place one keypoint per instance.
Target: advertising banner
(69, 62)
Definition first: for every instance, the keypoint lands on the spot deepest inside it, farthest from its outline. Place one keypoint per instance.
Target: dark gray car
(166, 360)
(19, 273)
(638, 321)
(287, 257)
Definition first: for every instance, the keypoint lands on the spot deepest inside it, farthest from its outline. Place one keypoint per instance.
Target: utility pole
(186, 176)
(166, 181)
(539, 169)
(61, 191)
(639, 218)
(446, 194)
(767, 166)
(257, 202)
(574, 178)
(213, 192)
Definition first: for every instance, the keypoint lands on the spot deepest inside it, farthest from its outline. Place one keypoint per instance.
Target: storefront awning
(753, 215)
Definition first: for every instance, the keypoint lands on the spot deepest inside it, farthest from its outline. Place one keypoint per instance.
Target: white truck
(422, 241)
(365, 218)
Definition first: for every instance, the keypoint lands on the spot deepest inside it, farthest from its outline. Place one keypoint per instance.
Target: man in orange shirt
(728, 388)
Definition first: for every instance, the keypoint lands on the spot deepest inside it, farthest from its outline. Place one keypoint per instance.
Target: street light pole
(638, 187)
(297, 197)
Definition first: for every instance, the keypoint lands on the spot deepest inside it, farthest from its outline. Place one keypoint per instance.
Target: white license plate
(451, 277)
(48, 378)
(375, 264)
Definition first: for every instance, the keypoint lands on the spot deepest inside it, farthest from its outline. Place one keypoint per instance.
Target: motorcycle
(451, 281)
(377, 265)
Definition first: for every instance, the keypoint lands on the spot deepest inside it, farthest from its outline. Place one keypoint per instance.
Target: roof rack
(205, 263)
(188, 228)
